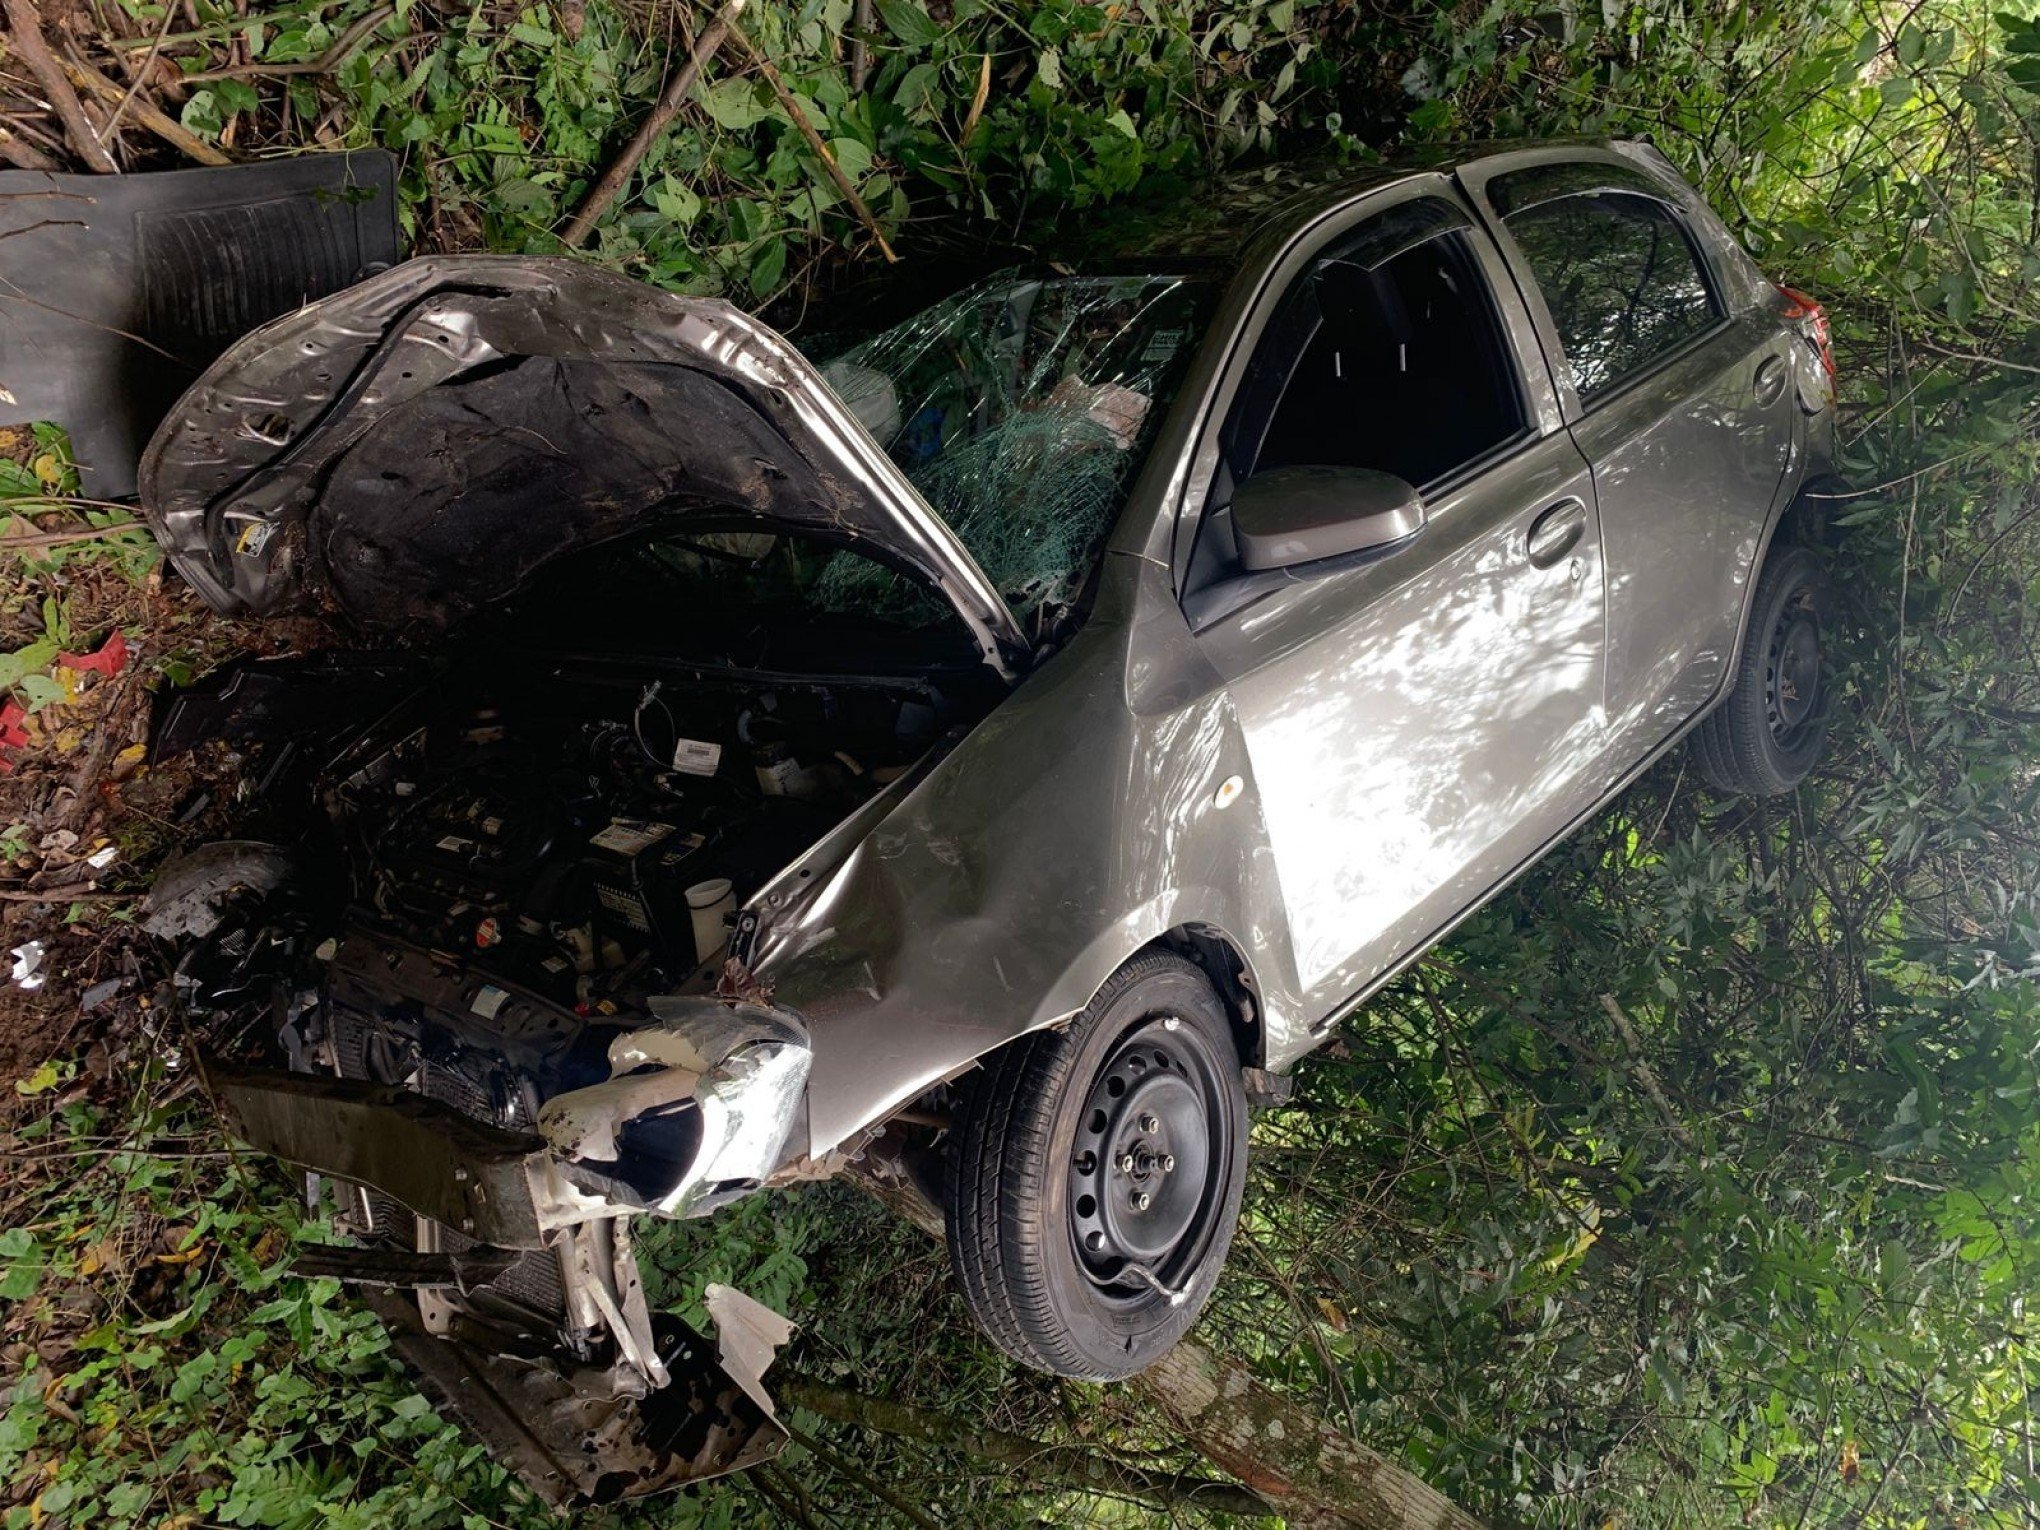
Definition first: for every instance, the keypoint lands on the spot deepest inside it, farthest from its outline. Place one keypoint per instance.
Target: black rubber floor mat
(117, 290)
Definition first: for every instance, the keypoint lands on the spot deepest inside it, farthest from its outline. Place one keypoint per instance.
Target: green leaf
(15, 666)
(735, 104)
(768, 267)
(909, 23)
(24, 1258)
(235, 96)
(853, 158)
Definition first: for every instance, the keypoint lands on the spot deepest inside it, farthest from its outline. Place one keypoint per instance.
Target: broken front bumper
(665, 1410)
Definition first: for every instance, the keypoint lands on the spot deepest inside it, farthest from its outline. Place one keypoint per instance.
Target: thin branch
(21, 542)
(1641, 1071)
(671, 99)
(325, 63)
(23, 155)
(24, 26)
(815, 141)
(142, 73)
(147, 113)
(1062, 1466)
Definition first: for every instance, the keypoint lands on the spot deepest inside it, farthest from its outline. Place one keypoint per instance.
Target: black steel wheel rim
(1792, 672)
(1151, 1160)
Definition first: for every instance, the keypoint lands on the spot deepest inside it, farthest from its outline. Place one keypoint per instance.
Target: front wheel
(1764, 738)
(1097, 1176)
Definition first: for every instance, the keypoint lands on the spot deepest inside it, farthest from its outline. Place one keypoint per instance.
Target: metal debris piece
(27, 973)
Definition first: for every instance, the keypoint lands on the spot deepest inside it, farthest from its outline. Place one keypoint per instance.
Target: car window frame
(1271, 283)
(1608, 174)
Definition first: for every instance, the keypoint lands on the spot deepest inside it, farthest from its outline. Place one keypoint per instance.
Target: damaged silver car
(997, 755)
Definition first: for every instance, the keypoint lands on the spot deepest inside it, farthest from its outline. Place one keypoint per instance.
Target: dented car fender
(995, 892)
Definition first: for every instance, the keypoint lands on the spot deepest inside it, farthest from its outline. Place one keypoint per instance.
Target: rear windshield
(1021, 409)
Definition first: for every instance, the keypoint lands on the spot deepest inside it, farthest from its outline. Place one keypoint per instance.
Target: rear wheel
(1764, 739)
(1098, 1174)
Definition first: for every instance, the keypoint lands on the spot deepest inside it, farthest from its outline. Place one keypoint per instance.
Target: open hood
(411, 449)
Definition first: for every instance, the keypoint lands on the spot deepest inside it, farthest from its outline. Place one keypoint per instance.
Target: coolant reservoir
(708, 903)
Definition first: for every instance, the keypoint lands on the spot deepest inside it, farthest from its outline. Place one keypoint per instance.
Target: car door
(1677, 389)
(1421, 719)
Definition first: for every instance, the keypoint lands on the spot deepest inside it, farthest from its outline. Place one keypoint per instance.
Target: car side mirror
(1291, 515)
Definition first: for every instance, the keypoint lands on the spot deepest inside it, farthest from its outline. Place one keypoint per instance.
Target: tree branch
(671, 99)
(1313, 1474)
(24, 26)
(815, 141)
(1065, 1466)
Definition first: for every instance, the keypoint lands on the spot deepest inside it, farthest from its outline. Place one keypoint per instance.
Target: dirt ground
(86, 818)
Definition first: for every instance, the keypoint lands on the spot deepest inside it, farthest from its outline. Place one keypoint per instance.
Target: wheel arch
(1805, 521)
(1224, 960)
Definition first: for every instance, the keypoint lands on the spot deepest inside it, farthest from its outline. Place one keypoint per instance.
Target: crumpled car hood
(412, 449)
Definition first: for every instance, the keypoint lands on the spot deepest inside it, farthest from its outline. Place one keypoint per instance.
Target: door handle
(1555, 533)
(1770, 379)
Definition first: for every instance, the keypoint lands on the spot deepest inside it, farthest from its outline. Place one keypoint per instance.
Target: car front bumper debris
(579, 1419)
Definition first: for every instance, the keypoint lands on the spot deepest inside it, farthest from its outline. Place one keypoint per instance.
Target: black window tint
(1386, 355)
(1621, 278)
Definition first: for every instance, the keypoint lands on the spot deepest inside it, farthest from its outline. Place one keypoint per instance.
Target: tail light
(1812, 320)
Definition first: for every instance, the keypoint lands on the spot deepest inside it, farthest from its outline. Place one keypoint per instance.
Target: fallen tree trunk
(1309, 1473)
(1052, 1465)
(1313, 1474)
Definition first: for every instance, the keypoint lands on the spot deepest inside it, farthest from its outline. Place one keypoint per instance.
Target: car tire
(1046, 1226)
(1766, 735)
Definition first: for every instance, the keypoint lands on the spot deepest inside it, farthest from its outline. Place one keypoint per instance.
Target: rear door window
(1620, 276)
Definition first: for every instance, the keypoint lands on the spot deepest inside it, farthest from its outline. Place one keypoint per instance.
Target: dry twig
(815, 141)
(671, 99)
(24, 28)
(23, 155)
(146, 112)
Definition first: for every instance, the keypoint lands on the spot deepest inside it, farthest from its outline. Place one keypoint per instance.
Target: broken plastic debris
(99, 994)
(27, 973)
(108, 659)
(12, 734)
(748, 1335)
(103, 857)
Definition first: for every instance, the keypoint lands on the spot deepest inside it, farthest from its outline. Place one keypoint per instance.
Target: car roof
(1214, 220)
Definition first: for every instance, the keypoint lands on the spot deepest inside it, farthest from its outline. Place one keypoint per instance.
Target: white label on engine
(627, 836)
(696, 757)
(488, 999)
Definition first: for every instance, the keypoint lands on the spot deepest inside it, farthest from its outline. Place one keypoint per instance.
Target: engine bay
(589, 831)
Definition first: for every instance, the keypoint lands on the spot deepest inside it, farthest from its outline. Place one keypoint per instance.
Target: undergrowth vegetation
(1691, 1185)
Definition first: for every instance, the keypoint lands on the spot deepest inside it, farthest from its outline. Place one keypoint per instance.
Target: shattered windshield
(1021, 409)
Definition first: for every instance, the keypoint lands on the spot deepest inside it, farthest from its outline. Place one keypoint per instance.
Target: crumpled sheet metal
(321, 379)
(994, 893)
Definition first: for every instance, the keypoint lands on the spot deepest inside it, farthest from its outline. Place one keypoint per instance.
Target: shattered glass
(1021, 409)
